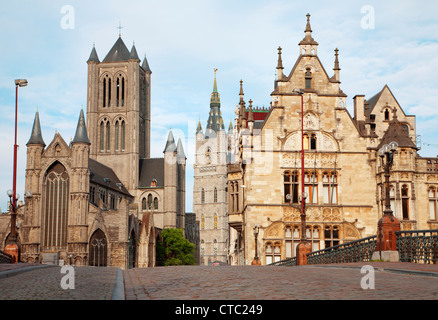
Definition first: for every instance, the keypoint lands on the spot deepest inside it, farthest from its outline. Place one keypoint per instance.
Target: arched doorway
(132, 250)
(98, 250)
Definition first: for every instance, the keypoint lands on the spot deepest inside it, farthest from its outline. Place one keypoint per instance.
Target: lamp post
(12, 247)
(388, 224)
(303, 247)
(256, 261)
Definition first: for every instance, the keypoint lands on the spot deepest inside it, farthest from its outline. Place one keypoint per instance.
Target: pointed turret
(145, 65)
(180, 151)
(93, 56)
(36, 136)
(134, 54)
(308, 45)
(336, 68)
(396, 132)
(81, 135)
(199, 128)
(170, 144)
(279, 65)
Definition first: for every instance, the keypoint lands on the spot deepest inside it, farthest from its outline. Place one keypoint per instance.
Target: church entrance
(98, 249)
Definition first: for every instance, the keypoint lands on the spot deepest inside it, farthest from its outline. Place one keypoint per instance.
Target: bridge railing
(354, 251)
(286, 262)
(418, 246)
(5, 257)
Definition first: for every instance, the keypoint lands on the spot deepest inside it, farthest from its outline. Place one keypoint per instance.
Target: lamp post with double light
(256, 261)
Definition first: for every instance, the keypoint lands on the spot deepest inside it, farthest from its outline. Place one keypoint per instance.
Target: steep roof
(105, 176)
(150, 169)
(36, 136)
(81, 135)
(170, 143)
(397, 132)
(93, 56)
(119, 52)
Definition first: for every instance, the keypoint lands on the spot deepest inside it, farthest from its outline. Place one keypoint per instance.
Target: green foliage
(174, 249)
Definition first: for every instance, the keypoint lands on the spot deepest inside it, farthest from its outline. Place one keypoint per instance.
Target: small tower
(181, 185)
(170, 182)
(336, 68)
(279, 66)
(308, 46)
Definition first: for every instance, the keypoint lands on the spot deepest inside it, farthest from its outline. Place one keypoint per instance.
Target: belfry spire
(215, 122)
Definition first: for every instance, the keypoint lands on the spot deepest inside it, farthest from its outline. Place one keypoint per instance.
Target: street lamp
(303, 247)
(388, 225)
(12, 247)
(256, 261)
(386, 153)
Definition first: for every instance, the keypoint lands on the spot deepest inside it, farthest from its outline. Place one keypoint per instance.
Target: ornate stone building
(343, 175)
(101, 200)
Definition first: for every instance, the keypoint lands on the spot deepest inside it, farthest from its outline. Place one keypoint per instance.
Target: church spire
(308, 44)
(81, 135)
(215, 121)
(36, 136)
(93, 56)
(336, 68)
(279, 65)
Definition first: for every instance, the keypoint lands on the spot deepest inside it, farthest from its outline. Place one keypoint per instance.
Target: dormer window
(154, 183)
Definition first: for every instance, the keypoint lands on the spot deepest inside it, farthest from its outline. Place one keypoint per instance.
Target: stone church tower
(101, 200)
(210, 179)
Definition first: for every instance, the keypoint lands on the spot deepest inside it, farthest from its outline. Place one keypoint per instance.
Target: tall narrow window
(330, 188)
(117, 137)
(202, 195)
(215, 247)
(143, 204)
(202, 222)
(215, 221)
(104, 93)
(308, 77)
(109, 92)
(56, 199)
(102, 136)
(290, 186)
(155, 203)
(272, 252)
(123, 135)
(215, 195)
(386, 114)
(313, 142)
(292, 237)
(305, 142)
(405, 202)
(123, 92)
(149, 201)
(108, 136)
(118, 92)
(311, 187)
(432, 204)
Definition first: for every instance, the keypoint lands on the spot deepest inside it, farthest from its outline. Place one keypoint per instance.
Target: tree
(174, 249)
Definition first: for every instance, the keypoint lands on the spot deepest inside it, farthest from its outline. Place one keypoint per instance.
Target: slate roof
(93, 56)
(81, 135)
(150, 169)
(105, 176)
(36, 137)
(119, 52)
(396, 132)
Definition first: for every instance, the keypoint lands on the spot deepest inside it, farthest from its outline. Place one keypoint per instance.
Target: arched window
(108, 136)
(313, 142)
(104, 93)
(386, 114)
(102, 136)
(123, 92)
(118, 92)
(117, 127)
(149, 201)
(56, 200)
(109, 92)
(98, 249)
(405, 202)
(143, 204)
(432, 204)
(305, 142)
(202, 222)
(290, 186)
(292, 237)
(155, 203)
(215, 195)
(215, 221)
(123, 135)
(202, 195)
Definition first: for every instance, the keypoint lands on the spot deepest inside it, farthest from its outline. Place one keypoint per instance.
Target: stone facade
(343, 175)
(101, 200)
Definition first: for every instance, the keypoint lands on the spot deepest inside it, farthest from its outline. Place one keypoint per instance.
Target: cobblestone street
(393, 281)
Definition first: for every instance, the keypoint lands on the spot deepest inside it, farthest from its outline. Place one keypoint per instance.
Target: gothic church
(101, 200)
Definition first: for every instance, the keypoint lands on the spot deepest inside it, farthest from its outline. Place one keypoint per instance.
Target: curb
(404, 271)
(14, 272)
(119, 287)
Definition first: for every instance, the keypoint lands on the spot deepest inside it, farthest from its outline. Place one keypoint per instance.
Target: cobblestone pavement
(394, 281)
(41, 282)
(329, 282)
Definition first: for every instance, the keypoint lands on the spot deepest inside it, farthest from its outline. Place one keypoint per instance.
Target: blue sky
(185, 40)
